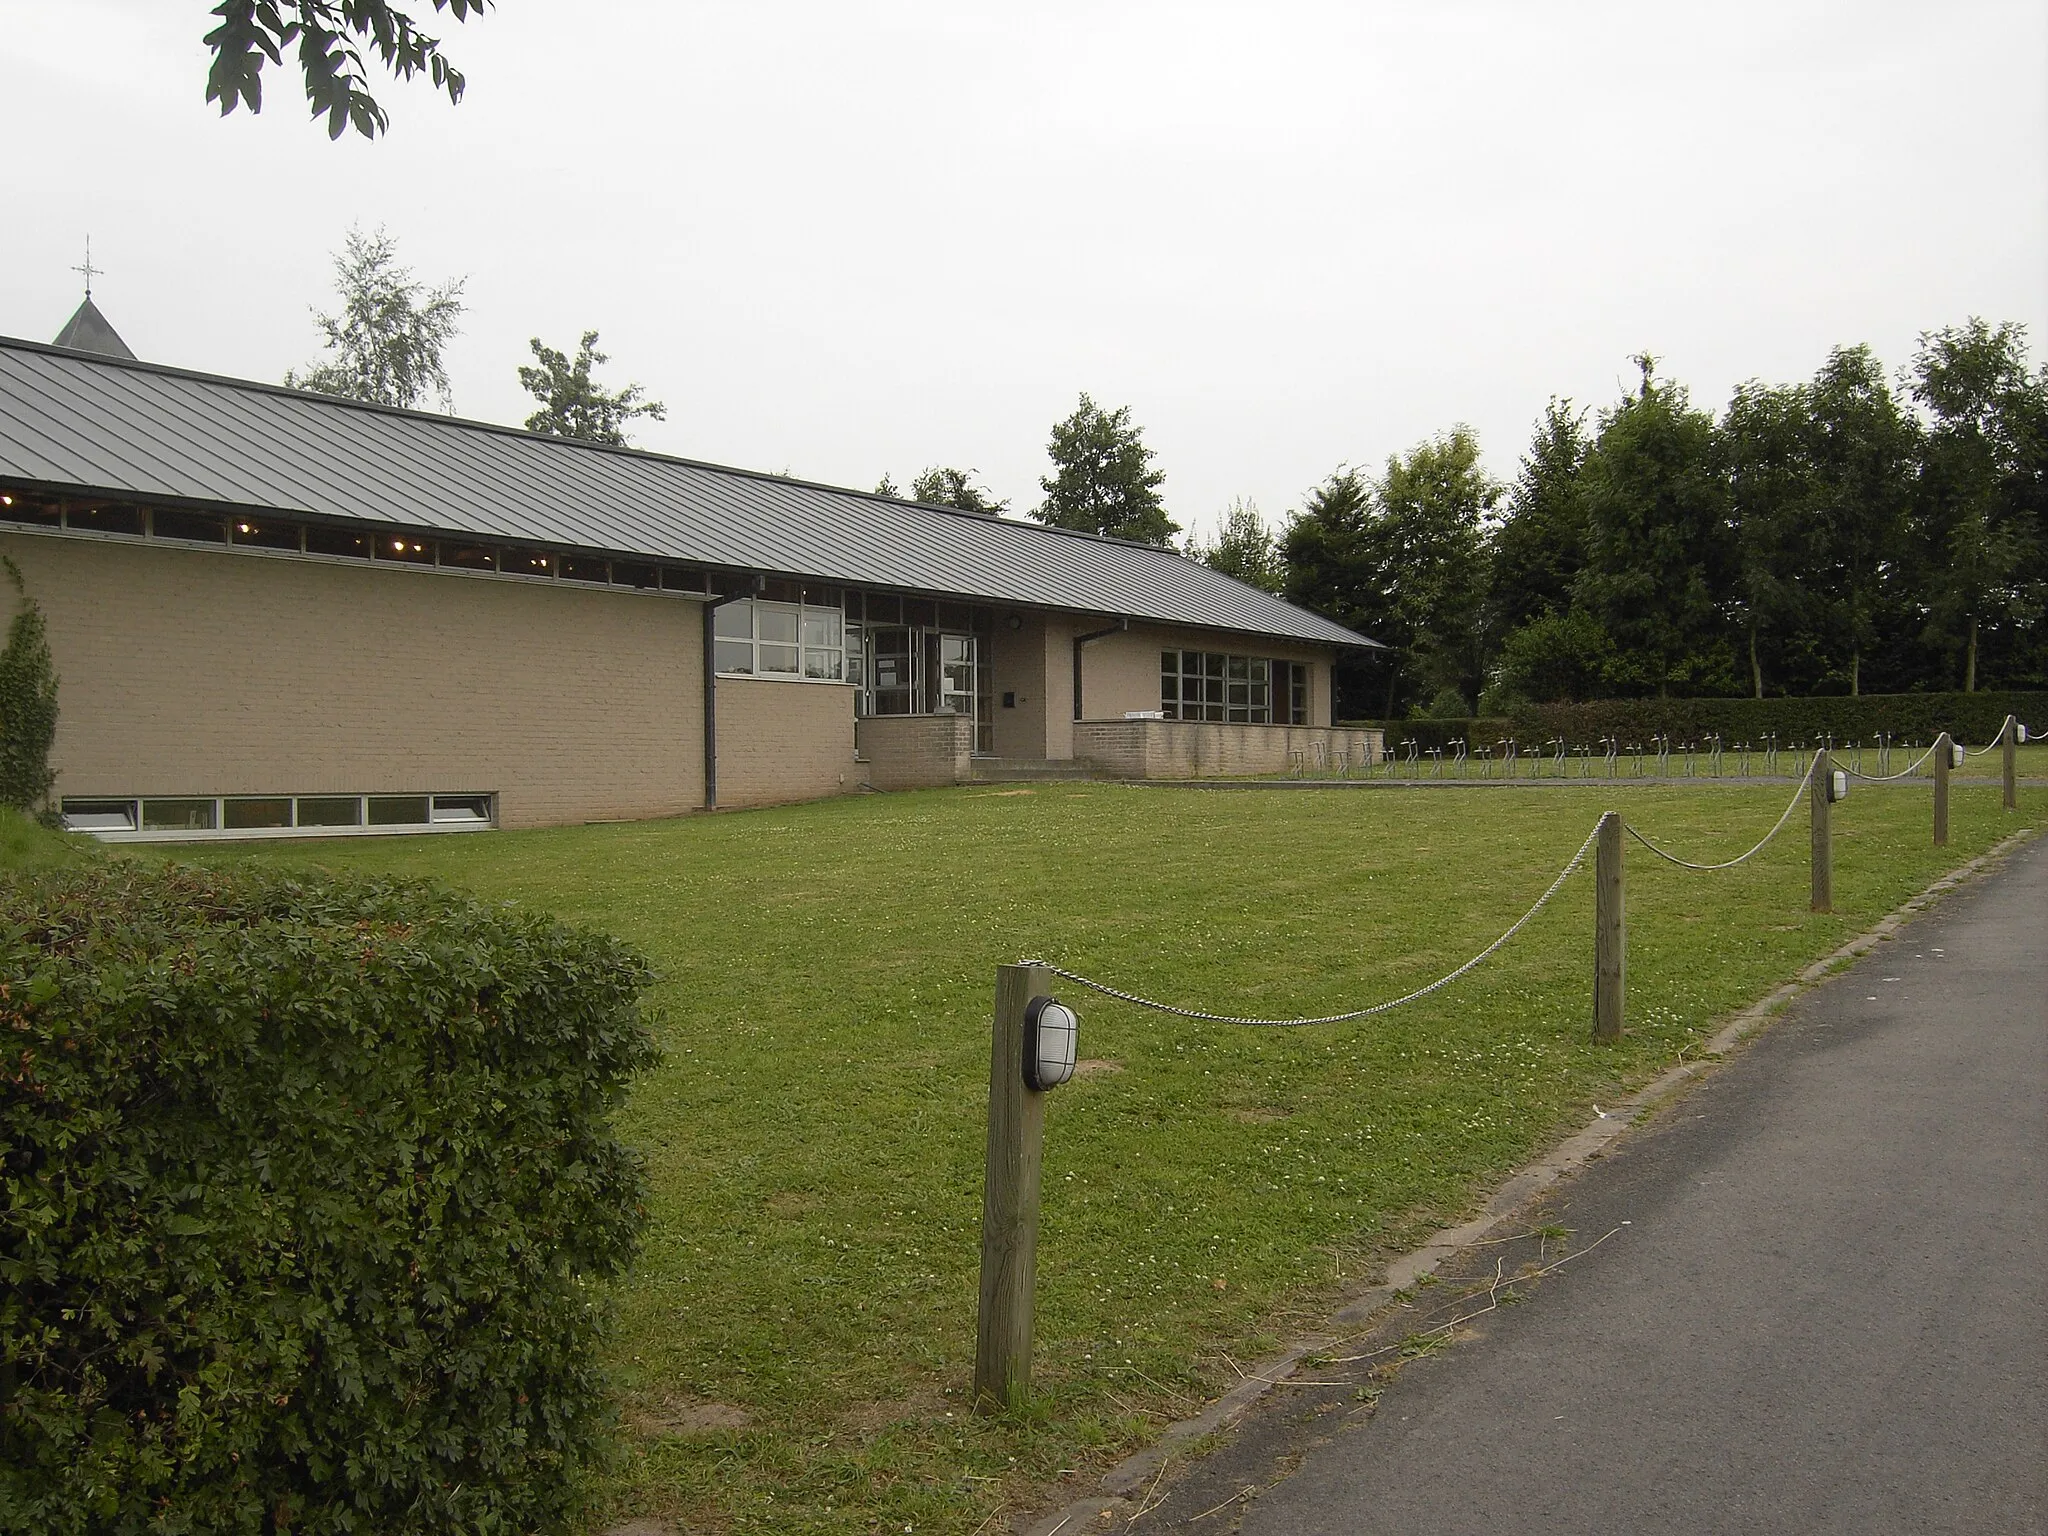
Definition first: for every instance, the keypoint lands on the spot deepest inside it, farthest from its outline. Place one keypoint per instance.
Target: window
(194, 527)
(346, 542)
(235, 816)
(755, 637)
(16, 507)
(268, 534)
(469, 557)
(582, 568)
(104, 519)
(399, 546)
(1208, 685)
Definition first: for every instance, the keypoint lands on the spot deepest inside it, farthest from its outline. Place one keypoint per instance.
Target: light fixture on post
(2021, 731)
(1955, 754)
(1050, 1031)
(1838, 786)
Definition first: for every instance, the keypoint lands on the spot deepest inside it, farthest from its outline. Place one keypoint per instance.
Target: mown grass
(796, 1342)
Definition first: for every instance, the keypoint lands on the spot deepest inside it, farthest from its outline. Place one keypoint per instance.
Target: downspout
(711, 688)
(1080, 640)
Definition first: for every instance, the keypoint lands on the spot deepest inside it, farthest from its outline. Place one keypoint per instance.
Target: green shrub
(308, 1194)
(28, 705)
(1971, 717)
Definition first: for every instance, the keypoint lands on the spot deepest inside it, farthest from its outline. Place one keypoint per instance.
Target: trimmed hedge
(1971, 717)
(308, 1189)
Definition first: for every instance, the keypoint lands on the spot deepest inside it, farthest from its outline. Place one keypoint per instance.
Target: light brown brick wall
(1201, 749)
(1020, 669)
(1121, 672)
(916, 751)
(783, 741)
(211, 672)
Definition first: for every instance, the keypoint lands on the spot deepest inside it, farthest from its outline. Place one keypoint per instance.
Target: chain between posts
(1419, 993)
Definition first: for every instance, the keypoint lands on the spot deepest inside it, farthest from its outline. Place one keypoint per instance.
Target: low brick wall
(1202, 749)
(915, 751)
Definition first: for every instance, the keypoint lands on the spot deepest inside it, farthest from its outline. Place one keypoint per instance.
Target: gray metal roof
(76, 421)
(88, 331)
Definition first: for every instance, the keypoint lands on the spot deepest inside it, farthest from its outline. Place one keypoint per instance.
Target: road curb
(1124, 1489)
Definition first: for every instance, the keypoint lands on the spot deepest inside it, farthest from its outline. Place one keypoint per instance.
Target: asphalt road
(1819, 1304)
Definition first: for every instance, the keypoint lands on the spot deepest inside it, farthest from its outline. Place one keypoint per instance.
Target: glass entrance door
(892, 669)
(950, 662)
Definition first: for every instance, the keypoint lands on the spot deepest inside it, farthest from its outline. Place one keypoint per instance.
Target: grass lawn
(795, 1344)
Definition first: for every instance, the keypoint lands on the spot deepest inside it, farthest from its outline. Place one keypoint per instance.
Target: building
(278, 612)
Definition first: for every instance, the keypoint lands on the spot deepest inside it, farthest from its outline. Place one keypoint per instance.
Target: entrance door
(950, 664)
(892, 669)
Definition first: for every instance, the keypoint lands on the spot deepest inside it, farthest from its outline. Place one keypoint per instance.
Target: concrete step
(1012, 770)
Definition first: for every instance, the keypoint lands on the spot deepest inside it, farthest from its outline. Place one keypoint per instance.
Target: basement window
(226, 817)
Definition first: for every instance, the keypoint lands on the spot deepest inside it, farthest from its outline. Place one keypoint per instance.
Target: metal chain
(1357, 1013)
(1731, 863)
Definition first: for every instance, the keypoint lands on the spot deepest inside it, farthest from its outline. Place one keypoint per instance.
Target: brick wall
(783, 741)
(200, 672)
(1201, 749)
(916, 751)
(1120, 672)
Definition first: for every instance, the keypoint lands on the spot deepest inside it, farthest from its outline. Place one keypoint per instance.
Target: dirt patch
(924, 1403)
(1097, 1067)
(686, 1416)
(792, 1202)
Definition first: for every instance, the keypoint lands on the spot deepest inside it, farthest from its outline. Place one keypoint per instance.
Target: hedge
(1971, 717)
(308, 1191)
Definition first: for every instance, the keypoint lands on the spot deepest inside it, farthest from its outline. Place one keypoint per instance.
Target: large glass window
(1210, 685)
(756, 637)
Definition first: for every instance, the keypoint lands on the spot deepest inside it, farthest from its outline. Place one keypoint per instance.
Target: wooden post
(1942, 751)
(2012, 731)
(1009, 1206)
(1610, 935)
(1823, 844)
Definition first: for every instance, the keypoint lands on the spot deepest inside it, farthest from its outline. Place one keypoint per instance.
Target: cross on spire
(88, 268)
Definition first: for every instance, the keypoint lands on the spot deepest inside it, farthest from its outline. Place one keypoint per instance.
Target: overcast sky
(842, 239)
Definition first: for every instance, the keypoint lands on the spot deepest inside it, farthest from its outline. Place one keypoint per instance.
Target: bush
(28, 705)
(1971, 717)
(309, 1186)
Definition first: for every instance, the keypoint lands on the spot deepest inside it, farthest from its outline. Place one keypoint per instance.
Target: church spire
(87, 330)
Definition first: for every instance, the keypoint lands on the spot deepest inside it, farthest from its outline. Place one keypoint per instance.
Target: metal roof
(86, 422)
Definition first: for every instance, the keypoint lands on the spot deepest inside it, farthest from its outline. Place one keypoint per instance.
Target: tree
(572, 404)
(1556, 657)
(1766, 445)
(1434, 503)
(946, 487)
(28, 705)
(328, 35)
(1658, 551)
(1864, 449)
(1103, 479)
(1244, 548)
(387, 340)
(1339, 563)
(1540, 547)
(1983, 483)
